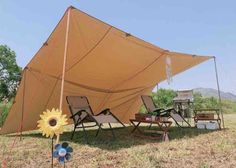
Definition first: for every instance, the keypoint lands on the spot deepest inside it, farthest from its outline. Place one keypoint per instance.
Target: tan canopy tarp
(111, 67)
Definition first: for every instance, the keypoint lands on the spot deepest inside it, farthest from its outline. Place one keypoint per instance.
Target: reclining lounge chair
(81, 112)
(170, 113)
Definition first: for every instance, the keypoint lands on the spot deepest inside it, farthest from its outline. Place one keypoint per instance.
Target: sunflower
(52, 122)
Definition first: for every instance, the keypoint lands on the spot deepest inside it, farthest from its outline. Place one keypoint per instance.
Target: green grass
(229, 107)
(4, 109)
(186, 148)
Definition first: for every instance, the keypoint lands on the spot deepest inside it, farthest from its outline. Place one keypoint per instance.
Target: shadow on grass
(124, 137)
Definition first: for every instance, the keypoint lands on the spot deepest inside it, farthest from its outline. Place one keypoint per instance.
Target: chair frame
(162, 111)
(79, 123)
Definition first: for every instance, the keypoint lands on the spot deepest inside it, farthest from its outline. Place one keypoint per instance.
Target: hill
(209, 92)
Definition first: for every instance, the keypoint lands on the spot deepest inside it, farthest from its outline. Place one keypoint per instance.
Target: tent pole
(23, 105)
(64, 60)
(64, 64)
(219, 94)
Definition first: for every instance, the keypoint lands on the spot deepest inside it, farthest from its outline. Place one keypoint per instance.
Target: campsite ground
(187, 148)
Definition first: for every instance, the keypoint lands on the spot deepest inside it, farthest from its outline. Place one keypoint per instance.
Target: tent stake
(219, 94)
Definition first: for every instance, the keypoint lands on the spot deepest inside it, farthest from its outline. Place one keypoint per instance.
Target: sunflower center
(52, 122)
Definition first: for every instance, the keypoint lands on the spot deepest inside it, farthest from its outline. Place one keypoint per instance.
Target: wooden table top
(150, 121)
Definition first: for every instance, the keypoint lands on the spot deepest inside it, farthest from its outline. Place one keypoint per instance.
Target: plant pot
(153, 118)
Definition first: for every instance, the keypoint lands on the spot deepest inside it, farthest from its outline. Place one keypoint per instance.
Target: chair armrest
(162, 110)
(158, 109)
(167, 110)
(77, 113)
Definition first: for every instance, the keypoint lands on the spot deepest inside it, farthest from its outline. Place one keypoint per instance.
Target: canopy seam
(95, 46)
(88, 87)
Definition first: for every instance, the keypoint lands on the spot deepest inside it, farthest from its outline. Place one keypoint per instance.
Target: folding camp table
(163, 125)
(207, 115)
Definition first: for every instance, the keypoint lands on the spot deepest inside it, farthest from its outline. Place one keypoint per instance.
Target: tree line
(163, 98)
(10, 73)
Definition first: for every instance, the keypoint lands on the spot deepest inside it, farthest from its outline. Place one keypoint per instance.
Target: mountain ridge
(210, 92)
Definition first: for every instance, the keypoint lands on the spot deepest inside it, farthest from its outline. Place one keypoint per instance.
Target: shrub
(4, 109)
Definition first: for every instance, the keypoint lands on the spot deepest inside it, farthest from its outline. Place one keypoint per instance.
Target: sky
(202, 27)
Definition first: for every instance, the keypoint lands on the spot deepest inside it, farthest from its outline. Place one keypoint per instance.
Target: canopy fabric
(109, 66)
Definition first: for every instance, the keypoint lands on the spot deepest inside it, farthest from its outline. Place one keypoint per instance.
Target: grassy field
(186, 148)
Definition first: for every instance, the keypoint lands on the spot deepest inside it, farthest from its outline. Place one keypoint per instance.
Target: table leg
(165, 129)
(135, 126)
(165, 136)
